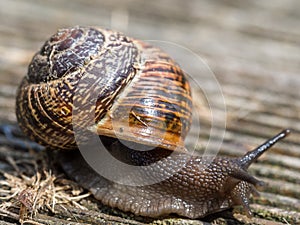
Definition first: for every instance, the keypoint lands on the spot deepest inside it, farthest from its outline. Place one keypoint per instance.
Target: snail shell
(124, 75)
(124, 89)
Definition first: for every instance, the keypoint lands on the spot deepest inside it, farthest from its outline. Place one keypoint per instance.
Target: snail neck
(133, 153)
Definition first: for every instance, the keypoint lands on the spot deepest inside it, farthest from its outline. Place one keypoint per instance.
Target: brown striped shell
(134, 91)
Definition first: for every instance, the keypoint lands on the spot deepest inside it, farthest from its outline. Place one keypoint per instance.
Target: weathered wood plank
(253, 48)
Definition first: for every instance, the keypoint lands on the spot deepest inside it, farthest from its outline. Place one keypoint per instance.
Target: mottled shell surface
(111, 84)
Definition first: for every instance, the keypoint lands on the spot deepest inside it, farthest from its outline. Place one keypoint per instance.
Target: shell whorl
(132, 90)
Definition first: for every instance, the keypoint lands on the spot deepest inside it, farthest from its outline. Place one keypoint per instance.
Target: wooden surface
(252, 48)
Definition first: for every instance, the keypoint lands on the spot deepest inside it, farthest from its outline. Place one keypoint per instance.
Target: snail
(129, 95)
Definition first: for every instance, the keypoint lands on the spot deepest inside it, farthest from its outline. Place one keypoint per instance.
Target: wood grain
(252, 48)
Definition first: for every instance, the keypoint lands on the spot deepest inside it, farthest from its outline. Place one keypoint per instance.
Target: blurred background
(252, 48)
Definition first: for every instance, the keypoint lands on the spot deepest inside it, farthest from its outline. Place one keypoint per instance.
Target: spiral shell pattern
(133, 91)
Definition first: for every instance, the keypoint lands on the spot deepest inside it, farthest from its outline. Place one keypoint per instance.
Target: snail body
(97, 81)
